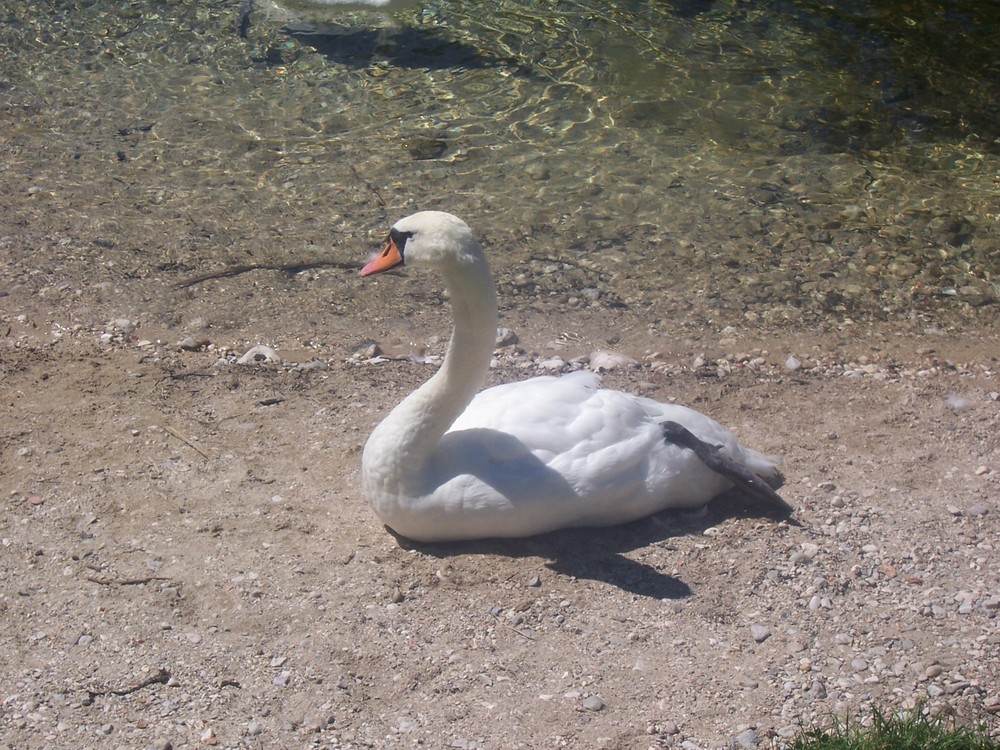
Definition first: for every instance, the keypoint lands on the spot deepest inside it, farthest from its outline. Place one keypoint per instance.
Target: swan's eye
(398, 239)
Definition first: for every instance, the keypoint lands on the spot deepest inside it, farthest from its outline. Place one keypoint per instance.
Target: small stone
(369, 352)
(312, 364)
(788, 731)
(282, 680)
(190, 344)
(537, 171)
(259, 355)
(760, 633)
(505, 337)
(555, 364)
(161, 744)
(747, 738)
(208, 737)
(603, 360)
(669, 727)
(817, 689)
(959, 404)
(592, 703)
(397, 596)
(534, 582)
(793, 363)
(978, 509)
(254, 728)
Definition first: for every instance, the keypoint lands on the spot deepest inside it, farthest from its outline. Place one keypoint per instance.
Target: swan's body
(526, 457)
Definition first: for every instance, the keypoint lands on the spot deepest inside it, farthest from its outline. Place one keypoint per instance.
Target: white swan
(532, 456)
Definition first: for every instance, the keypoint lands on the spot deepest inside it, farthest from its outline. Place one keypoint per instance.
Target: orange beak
(389, 258)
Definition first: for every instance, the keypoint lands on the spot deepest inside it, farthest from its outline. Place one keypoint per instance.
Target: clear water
(780, 161)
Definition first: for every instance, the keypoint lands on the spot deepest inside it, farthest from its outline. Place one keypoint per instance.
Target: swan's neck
(401, 444)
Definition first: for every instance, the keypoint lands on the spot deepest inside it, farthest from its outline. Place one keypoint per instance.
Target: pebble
(817, 689)
(505, 337)
(603, 361)
(372, 351)
(760, 633)
(534, 582)
(312, 364)
(747, 738)
(282, 679)
(555, 364)
(190, 344)
(959, 404)
(259, 355)
(208, 737)
(793, 363)
(592, 703)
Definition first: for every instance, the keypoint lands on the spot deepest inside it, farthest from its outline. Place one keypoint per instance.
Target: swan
(533, 456)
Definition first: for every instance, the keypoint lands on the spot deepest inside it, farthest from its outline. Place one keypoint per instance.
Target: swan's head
(429, 238)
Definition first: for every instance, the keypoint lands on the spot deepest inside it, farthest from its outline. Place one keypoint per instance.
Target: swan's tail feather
(766, 467)
(755, 479)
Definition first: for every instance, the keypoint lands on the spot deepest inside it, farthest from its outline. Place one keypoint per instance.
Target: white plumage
(527, 457)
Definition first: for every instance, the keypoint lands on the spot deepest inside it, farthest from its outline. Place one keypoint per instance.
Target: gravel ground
(187, 560)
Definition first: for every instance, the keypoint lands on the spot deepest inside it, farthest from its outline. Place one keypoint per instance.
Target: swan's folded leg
(714, 458)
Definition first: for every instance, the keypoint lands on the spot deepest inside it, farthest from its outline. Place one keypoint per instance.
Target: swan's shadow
(597, 553)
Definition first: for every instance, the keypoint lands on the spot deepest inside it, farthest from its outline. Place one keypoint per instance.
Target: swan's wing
(549, 415)
(576, 426)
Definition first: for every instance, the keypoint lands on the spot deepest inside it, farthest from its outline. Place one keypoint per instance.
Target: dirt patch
(187, 559)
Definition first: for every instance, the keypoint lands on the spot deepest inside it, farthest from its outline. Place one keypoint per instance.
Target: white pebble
(259, 354)
(959, 404)
(552, 365)
(602, 360)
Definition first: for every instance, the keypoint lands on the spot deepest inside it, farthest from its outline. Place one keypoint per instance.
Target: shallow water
(781, 161)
